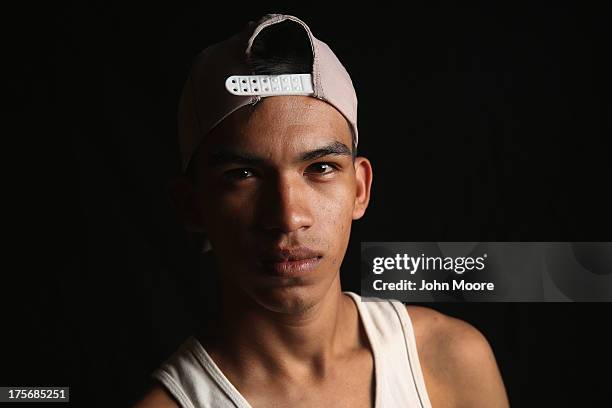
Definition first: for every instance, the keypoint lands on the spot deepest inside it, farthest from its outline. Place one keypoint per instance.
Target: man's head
(277, 181)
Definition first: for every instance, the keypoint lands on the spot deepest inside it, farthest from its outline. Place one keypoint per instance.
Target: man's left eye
(321, 168)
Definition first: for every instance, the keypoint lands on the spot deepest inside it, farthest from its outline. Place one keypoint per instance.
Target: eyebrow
(224, 155)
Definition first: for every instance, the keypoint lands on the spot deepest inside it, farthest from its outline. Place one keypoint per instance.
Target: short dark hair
(281, 48)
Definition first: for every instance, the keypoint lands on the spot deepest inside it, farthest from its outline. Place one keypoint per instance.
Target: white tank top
(195, 381)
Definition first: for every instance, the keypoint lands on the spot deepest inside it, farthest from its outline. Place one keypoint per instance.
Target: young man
(274, 183)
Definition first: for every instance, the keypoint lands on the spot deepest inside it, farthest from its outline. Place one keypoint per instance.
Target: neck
(252, 338)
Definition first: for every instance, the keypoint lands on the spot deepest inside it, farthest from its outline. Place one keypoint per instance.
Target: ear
(363, 180)
(183, 199)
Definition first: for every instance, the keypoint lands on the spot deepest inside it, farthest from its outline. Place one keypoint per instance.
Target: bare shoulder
(458, 363)
(156, 397)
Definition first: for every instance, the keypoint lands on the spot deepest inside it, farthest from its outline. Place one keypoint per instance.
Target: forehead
(298, 121)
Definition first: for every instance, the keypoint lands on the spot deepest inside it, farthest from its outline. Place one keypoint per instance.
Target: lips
(290, 262)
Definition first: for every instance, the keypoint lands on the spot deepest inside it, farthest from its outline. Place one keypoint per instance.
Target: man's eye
(238, 174)
(321, 168)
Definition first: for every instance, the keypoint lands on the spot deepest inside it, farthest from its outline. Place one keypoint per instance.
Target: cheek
(334, 215)
(224, 212)
(338, 201)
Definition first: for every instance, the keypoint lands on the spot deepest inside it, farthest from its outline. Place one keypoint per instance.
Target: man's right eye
(238, 174)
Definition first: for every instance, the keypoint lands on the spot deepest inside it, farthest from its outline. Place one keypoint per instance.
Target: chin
(290, 300)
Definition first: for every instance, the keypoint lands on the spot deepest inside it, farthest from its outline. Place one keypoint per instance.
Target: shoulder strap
(391, 336)
(193, 378)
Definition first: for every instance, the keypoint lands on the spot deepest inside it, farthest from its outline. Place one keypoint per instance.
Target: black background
(482, 124)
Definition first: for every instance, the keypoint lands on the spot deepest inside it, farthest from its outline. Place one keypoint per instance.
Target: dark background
(482, 124)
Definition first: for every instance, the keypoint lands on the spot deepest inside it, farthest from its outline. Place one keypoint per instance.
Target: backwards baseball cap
(220, 82)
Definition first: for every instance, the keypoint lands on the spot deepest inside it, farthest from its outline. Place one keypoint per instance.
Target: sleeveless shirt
(194, 380)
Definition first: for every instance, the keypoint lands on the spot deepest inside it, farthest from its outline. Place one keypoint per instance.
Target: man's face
(276, 192)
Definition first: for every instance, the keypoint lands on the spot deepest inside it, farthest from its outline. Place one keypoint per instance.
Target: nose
(285, 205)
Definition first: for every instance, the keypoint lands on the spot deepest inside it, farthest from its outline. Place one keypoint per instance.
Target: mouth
(291, 262)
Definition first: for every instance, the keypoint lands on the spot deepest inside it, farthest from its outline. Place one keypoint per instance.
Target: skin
(280, 174)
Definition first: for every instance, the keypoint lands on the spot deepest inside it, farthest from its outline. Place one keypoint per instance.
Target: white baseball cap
(220, 82)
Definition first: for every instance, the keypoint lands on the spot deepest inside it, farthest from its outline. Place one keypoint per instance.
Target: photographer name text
(409, 285)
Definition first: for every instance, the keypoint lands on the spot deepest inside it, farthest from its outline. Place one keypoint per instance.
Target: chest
(350, 385)
(354, 392)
